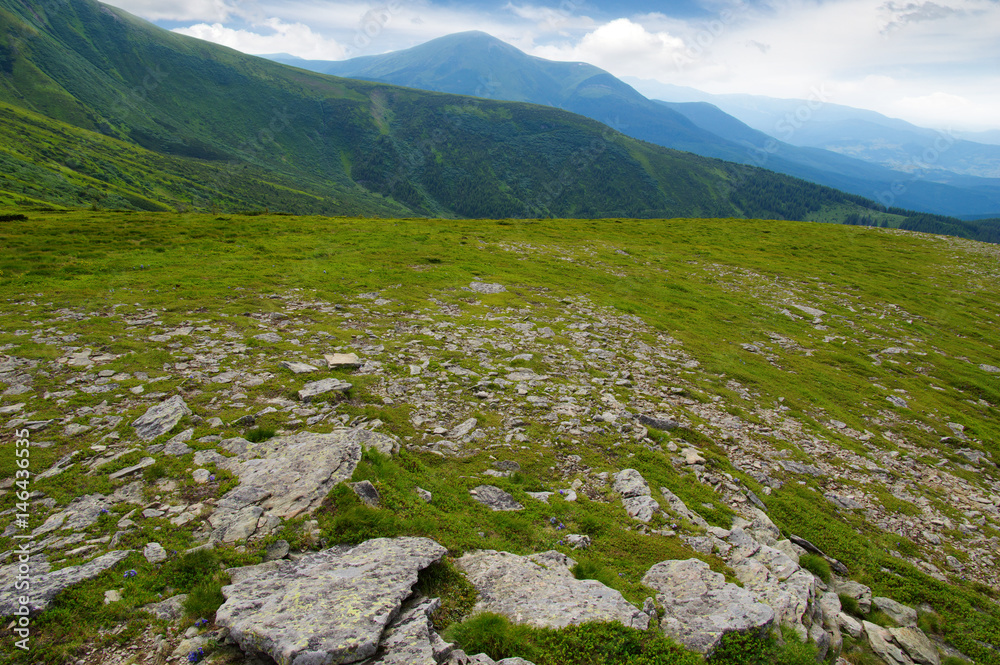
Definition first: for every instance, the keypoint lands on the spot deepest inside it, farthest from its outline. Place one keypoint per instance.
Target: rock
(916, 645)
(897, 401)
(142, 464)
(177, 445)
(829, 605)
(881, 643)
(954, 563)
(154, 553)
(483, 287)
(857, 591)
(578, 541)
(276, 550)
(495, 498)
(424, 495)
(678, 506)
(635, 494)
(899, 613)
(972, 456)
(201, 476)
(171, 609)
(112, 596)
(367, 493)
(45, 585)
(798, 467)
(299, 470)
(329, 607)
(411, 639)
(844, 502)
(462, 430)
(160, 418)
(990, 369)
(849, 625)
(540, 590)
(664, 424)
(700, 606)
(315, 389)
(692, 456)
(343, 361)
(298, 367)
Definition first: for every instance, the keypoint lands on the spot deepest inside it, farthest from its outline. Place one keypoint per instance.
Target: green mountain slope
(475, 63)
(235, 132)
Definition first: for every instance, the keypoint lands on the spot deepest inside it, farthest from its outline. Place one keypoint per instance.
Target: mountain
(859, 133)
(474, 63)
(230, 131)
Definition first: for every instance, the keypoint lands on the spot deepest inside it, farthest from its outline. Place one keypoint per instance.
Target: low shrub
(816, 565)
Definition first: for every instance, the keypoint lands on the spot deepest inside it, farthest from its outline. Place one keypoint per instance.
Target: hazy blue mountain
(853, 132)
(474, 63)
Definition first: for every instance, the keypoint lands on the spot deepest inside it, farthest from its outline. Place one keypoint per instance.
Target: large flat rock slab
(286, 476)
(700, 606)
(160, 418)
(540, 590)
(46, 585)
(329, 607)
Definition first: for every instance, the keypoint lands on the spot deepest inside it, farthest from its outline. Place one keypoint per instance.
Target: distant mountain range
(474, 63)
(101, 108)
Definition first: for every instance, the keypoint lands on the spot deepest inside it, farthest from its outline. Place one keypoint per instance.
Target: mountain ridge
(475, 63)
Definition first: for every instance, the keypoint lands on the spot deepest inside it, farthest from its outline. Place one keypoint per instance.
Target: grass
(711, 285)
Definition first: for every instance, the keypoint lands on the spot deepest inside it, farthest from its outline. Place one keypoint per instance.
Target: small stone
(112, 596)
(298, 367)
(495, 498)
(315, 389)
(367, 493)
(154, 553)
(484, 287)
(343, 361)
(201, 476)
(425, 496)
(276, 550)
(899, 613)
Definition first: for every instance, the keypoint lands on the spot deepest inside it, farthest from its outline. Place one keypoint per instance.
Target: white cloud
(294, 38)
(180, 10)
(618, 46)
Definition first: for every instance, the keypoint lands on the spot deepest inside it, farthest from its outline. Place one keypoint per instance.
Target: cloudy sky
(935, 63)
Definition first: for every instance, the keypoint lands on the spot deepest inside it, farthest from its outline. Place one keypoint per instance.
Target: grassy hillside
(884, 383)
(231, 132)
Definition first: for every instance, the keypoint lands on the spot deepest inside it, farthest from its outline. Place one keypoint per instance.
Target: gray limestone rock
(881, 642)
(286, 476)
(857, 591)
(484, 287)
(990, 369)
(343, 361)
(411, 639)
(298, 367)
(367, 493)
(636, 496)
(154, 553)
(160, 418)
(178, 444)
(540, 590)
(899, 613)
(46, 585)
(700, 606)
(315, 389)
(680, 508)
(841, 501)
(798, 467)
(656, 422)
(142, 464)
(495, 498)
(916, 645)
(329, 607)
(171, 609)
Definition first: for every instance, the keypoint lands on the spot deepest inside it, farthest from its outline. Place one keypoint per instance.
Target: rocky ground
(147, 412)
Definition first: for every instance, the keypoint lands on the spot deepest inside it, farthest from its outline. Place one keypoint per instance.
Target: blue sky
(933, 62)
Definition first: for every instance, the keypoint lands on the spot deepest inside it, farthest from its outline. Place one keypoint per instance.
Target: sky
(935, 63)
